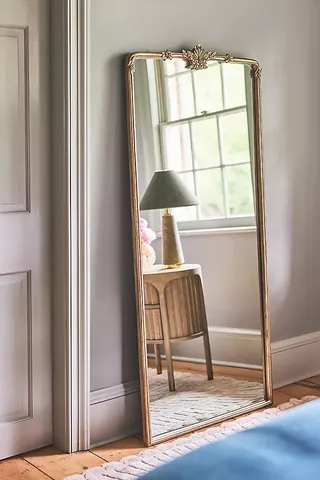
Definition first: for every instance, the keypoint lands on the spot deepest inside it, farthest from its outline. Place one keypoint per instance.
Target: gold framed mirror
(199, 239)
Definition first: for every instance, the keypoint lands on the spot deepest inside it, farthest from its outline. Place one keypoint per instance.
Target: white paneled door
(25, 326)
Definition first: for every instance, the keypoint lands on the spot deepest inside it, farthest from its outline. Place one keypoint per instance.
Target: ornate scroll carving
(197, 59)
(228, 58)
(131, 65)
(167, 55)
(256, 71)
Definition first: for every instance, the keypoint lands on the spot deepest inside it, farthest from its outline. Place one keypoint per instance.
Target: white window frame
(228, 221)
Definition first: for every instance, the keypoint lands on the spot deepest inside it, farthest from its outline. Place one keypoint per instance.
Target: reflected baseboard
(200, 361)
(233, 347)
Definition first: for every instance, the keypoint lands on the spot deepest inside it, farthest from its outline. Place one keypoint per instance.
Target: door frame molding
(70, 215)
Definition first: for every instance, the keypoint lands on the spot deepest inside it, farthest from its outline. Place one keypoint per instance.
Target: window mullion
(193, 93)
(193, 168)
(163, 149)
(196, 118)
(213, 167)
(224, 185)
(222, 88)
(225, 192)
(162, 92)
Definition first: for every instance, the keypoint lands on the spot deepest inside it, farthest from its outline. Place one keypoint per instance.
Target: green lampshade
(166, 190)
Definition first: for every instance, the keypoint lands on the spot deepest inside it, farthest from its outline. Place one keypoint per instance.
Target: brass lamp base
(172, 254)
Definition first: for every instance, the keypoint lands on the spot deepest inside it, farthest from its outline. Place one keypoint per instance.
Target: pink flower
(147, 235)
(143, 224)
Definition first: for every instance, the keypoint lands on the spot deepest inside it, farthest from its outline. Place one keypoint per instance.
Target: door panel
(15, 352)
(25, 323)
(14, 138)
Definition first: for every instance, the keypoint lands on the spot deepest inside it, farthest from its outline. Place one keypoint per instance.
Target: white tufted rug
(196, 399)
(130, 468)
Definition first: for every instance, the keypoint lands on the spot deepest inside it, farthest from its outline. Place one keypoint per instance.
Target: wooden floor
(50, 463)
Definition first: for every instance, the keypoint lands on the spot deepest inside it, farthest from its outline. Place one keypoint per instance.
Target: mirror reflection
(195, 163)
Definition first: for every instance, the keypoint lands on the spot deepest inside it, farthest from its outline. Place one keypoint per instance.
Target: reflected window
(205, 136)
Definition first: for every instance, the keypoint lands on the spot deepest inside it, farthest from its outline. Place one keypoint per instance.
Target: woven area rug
(196, 399)
(130, 468)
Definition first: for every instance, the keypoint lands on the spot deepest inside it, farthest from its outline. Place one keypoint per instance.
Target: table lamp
(166, 190)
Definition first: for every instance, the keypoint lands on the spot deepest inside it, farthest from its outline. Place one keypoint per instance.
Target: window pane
(208, 91)
(178, 147)
(173, 66)
(205, 143)
(234, 85)
(180, 99)
(185, 214)
(239, 188)
(234, 138)
(210, 193)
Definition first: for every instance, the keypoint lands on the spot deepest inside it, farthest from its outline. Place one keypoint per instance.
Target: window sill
(214, 231)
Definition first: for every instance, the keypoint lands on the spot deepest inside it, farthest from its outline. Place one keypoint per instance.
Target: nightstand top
(159, 269)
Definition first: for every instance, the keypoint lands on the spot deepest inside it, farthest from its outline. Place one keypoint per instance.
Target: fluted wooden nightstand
(175, 311)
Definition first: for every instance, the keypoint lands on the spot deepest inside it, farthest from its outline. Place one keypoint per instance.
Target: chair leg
(206, 340)
(207, 352)
(172, 386)
(166, 341)
(158, 358)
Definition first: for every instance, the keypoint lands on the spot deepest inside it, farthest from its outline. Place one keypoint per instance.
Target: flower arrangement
(147, 252)
(147, 235)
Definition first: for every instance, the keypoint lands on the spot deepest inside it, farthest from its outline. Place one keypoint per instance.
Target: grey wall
(284, 36)
(230, 279)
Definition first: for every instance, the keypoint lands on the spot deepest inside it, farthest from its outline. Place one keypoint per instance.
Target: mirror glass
(195, 158)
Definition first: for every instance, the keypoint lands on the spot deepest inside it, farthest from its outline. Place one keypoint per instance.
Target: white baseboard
(115, 413)
(295, 358)
(110, 393)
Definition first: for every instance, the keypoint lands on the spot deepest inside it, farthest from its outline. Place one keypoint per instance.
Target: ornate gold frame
(197, 59)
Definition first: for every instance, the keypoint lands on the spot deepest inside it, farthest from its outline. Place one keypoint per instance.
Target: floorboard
(315, 380)
(113, 452)
(17, 468)
(58, 465)
(50, 463)
(299, 390)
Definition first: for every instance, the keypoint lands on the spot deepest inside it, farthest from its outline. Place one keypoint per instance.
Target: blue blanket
(287, 448)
